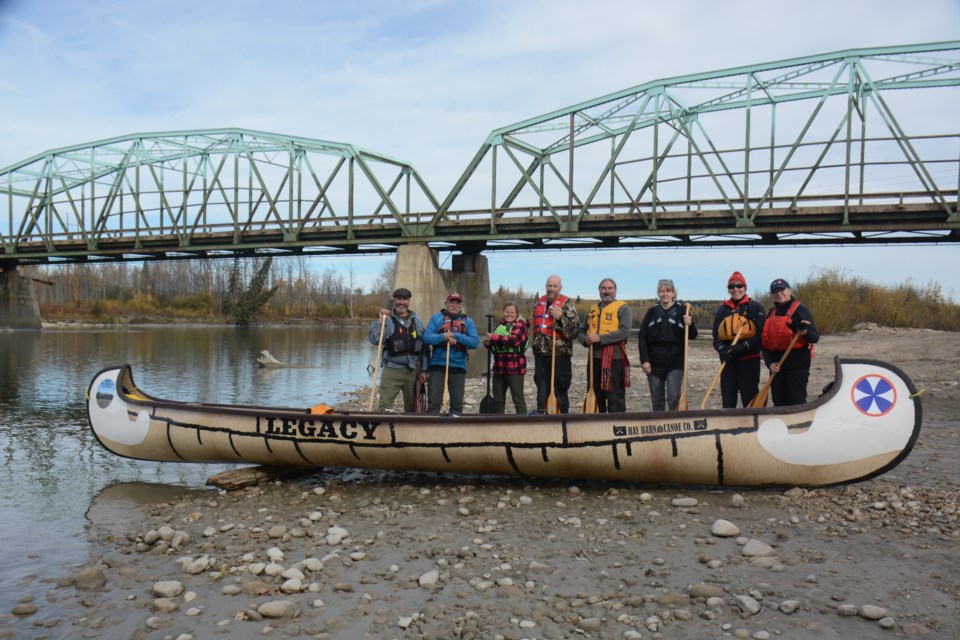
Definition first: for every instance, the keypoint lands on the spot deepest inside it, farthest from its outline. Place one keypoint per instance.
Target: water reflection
(52, 466)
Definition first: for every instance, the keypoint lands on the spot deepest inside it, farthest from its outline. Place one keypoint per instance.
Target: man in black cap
(403, 353)
(788, 327)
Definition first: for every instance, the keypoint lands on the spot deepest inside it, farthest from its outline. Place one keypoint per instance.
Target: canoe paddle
(682, 403)
(760, 400)
(488, 404)
(552, 407)
(590, 402)
(716, 378)
(376, 370)
(446, 391)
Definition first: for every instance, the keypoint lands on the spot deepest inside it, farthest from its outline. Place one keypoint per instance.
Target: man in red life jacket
(788, 318)
(554, 315)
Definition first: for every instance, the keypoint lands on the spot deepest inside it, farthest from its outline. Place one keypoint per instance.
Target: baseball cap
(779, 283)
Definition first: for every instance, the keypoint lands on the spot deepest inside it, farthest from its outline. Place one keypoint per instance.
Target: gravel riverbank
(354, 554)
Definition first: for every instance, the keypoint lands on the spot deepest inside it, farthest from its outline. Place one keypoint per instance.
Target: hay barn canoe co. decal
(874, 395)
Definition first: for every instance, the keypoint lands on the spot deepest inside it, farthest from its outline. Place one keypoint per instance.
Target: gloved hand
(724, 353)
(738, 350)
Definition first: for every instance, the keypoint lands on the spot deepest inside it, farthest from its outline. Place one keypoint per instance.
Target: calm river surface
(53, 467)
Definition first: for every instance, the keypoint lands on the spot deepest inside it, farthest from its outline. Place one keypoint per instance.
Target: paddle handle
(376, 370)
(716, 378)
(552, 407)
(760, 400)
(682, 402)
(446, 390)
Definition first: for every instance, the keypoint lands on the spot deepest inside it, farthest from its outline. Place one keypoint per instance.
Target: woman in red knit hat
(737, 331)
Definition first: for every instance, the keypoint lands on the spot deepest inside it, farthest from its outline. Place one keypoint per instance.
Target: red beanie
(737, 277)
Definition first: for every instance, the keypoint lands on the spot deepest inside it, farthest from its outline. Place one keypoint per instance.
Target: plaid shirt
(514, 362)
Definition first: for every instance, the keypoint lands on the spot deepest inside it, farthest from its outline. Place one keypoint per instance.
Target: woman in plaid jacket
(508, 344)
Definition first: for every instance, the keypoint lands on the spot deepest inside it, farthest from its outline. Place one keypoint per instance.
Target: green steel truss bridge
(857, 146)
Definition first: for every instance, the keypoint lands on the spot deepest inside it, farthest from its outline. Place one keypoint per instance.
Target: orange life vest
(777, 335)
(729, 326)
(542, 320)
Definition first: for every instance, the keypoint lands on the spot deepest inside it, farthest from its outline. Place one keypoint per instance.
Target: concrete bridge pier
(19, 308)
(417, 269)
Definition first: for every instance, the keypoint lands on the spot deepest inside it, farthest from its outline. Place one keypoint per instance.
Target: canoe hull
(863, 426)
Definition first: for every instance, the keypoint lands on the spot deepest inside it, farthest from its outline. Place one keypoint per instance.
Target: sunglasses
(731, 287)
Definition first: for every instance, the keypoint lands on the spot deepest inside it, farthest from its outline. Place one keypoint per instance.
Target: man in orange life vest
(787, 319)
(738, 318)
(608, 327)
(554, 314)
(454, 330)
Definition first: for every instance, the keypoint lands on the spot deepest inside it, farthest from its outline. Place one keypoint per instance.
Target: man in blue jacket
(452, 330)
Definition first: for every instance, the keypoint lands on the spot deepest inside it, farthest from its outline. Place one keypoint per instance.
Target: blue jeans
(671, 384)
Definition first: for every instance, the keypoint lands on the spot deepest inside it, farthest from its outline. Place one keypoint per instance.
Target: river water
(53, 467)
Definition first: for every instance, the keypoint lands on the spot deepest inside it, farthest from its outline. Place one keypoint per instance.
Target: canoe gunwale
(126, 384)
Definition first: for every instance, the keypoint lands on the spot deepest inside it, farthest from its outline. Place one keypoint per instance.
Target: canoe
(863, 425)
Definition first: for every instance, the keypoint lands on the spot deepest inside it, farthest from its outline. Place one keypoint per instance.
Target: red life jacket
(454, 325)
(777, 335)
(542, 320)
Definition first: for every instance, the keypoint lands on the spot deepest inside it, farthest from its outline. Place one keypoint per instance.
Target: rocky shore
(362, 554)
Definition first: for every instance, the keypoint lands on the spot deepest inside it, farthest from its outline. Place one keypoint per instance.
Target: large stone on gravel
(278, 609)
(704, 590)
(724, 529)
(755, 548)
(92, 578)
(168, 588)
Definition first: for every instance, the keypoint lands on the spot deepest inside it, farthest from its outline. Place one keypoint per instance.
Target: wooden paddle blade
(590, 403)
(760, 400)
(682, 403)
(552, 407)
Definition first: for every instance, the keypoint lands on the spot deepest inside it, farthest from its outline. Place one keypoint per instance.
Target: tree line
(285, 289)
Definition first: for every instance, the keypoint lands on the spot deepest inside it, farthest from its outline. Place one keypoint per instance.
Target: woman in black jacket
(661, 346)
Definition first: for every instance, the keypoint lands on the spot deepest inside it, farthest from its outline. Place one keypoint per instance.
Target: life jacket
(777, 335)
(506, 330)
(729, 326)
(404, 340)
(542, 320)
(663, 320)
(454, 325)
(606, 317)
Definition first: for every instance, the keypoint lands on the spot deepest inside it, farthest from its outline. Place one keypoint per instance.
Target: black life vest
(404, 340)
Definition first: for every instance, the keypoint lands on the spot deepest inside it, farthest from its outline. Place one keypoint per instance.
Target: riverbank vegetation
(201, 291)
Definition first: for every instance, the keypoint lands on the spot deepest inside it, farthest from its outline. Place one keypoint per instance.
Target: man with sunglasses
(737, 331)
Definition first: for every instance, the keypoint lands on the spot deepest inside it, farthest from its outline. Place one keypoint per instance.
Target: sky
(426, 81)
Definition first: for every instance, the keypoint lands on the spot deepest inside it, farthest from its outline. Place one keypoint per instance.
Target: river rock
(168, 588)
(684, 502)
(278, 609)
(724, 529)
(872, 612)
(704, 590)
(24, 610)
(755, 548)
(747, 604)
(92, 578)
(429, 579)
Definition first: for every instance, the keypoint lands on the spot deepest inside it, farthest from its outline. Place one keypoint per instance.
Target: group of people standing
(743, 334)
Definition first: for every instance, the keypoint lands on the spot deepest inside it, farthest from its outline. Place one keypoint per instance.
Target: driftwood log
(248, 476)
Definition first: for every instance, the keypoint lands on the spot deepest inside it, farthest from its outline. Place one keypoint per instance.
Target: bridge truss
(858, 146)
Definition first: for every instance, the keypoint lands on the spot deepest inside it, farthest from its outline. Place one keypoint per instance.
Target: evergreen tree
(245, 304)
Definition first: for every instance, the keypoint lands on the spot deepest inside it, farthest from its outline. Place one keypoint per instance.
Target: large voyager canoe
(862, 426)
